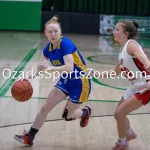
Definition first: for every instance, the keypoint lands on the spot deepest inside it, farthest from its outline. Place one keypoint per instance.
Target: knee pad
(64, 116)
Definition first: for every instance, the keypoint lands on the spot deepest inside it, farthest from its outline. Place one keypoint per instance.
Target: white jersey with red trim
(130, 65)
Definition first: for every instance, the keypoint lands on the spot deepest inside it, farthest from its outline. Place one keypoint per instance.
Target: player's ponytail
(136, 24)
(54, 19)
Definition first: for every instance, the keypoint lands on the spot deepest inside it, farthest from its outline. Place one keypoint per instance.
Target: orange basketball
(22, 90)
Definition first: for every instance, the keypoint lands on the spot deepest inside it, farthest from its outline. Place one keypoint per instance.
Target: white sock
(121, 141)
(129, 131)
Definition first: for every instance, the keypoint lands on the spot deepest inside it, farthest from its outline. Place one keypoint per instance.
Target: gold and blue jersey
(65, 47)
(78, 89)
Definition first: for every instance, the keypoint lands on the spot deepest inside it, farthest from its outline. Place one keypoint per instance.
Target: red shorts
(145, 97)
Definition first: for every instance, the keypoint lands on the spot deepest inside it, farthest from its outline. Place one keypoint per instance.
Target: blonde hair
(54, 20)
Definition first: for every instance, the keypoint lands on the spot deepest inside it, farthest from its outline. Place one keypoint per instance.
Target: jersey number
(56, 62)
(126, 72)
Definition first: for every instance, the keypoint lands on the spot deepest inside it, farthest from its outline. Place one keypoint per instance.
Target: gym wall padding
(74, 22)
(20, 15)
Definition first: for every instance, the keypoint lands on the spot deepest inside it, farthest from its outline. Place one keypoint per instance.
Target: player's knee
(118, 115)
(65, 116)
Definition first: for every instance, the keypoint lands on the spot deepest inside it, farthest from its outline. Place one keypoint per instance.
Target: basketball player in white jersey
(132, 59)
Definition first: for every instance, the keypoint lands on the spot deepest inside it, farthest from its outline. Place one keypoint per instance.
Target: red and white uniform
(134, 70)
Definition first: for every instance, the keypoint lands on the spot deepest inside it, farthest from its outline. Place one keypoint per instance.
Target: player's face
(119, 35)
(53, 32)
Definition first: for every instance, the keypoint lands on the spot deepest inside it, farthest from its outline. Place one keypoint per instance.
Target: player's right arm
(39, 67)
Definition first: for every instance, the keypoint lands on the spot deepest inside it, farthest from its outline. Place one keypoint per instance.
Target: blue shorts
(78, 90)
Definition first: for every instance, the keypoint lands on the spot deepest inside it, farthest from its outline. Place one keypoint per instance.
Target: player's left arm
(67, 49)
(67, 67)
(134, 50)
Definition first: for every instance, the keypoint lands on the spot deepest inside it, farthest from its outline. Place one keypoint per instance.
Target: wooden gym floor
(20, 51)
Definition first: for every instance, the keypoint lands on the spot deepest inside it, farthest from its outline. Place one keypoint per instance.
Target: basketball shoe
(132, 136)
(121, 146)
(84, 120)
(25, 139)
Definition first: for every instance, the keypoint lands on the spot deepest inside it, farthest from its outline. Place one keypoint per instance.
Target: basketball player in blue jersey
(64, 57)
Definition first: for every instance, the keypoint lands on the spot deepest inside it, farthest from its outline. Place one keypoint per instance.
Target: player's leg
(79, 93)
(127, 120)
(131, 104)
(130, 135)
(72, 111)
(54, 97)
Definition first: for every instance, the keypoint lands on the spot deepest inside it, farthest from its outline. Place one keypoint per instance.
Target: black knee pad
(64, 116)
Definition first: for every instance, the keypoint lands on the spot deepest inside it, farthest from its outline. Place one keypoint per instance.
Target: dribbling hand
(44, 63)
